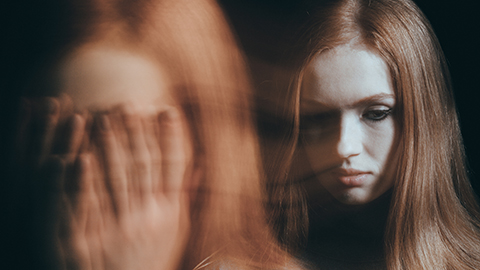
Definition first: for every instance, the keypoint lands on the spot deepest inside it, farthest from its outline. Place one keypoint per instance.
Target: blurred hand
(48, 127)
(123, 199)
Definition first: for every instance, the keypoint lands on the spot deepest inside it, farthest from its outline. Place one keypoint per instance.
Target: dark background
(33, 31)
(457, 27)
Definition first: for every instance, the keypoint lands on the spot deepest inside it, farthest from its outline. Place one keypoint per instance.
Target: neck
(367, 217)
(348, 232)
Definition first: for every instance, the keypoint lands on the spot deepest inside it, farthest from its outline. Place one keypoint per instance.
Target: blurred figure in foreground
(154, 155)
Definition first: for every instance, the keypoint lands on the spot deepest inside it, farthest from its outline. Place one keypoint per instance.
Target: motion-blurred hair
(192, 42)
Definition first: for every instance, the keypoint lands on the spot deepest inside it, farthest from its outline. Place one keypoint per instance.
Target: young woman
(158, 54)
(376, 153)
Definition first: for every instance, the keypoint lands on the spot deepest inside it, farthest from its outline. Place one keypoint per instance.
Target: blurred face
(101, 78)
(347, 127)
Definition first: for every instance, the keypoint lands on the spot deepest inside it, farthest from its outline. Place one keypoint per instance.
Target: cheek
(310, 158)
(322, 149)
(380, 142)
(319, 153)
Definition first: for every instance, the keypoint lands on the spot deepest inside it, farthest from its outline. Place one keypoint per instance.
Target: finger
(112, 165)
(86, 141)
(151, 138)
(72, 220)
(139, 158)
(85, 215)
(101, 206)
(78, 131)
(69, 137)
(81, 192)
(66, 126)
(45, 123)
(65, 113)
(66, 106)
(96, 254)
(100, 213)
(173, 151)
(67, 229)
(117, 126)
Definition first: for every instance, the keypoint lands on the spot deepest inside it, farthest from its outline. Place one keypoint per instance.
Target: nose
(349, 137)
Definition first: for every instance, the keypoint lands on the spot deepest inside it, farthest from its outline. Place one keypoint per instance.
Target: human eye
(377, 114)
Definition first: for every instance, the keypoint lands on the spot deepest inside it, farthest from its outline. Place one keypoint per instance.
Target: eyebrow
(361, 102)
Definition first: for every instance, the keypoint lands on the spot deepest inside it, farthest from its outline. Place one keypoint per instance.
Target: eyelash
(322, 121)
(377, 118)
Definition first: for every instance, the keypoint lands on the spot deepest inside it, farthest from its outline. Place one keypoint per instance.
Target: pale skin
(348, 129)
(124, 172)
(99, 76)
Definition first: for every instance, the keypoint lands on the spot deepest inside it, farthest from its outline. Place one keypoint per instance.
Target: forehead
(344, 75)
(101, 77)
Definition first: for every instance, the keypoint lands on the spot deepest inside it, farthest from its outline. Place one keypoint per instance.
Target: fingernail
(74, 121)
(169, 115)
(85, 114)
(49, 106)
(83, 161)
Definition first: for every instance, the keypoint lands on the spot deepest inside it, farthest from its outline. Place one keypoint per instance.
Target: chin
(353, 197)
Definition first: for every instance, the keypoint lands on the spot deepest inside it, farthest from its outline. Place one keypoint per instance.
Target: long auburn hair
(433, 221)
(192, 42)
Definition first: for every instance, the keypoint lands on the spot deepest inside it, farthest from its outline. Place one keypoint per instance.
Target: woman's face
(102, 78)
(347, 124)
